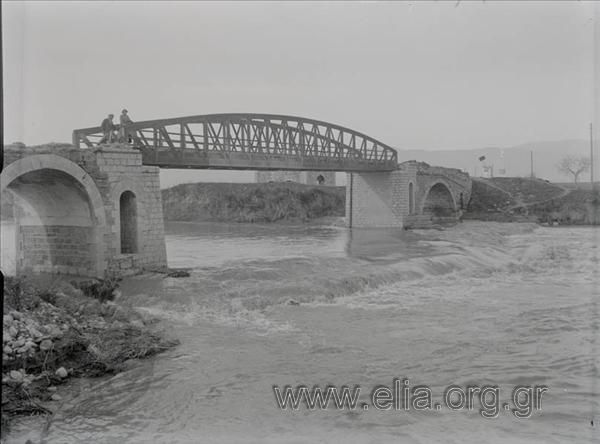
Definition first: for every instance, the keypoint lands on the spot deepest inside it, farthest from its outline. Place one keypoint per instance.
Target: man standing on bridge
(124, 120)
(108, 128)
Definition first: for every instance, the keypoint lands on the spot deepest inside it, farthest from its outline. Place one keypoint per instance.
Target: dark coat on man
(107, 126)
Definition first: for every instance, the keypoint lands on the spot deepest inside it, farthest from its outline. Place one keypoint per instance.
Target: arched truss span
(250, 141)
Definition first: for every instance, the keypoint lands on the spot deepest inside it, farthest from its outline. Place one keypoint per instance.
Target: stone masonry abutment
(69, 207)
(416, 195)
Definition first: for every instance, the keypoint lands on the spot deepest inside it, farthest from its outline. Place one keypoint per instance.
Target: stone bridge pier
(81, 212)
(416, 195)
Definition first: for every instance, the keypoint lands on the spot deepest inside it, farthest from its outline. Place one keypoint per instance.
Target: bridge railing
(250, 134)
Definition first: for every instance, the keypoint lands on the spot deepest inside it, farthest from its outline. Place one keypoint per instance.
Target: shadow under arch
(60, 219)
(439, 202)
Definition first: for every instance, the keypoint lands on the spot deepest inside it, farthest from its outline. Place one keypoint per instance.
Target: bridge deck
(249, 142)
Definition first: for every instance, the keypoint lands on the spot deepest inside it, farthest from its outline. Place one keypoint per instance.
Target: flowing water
(477, 304)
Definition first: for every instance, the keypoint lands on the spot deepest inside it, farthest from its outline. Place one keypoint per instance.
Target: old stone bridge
(94, 209)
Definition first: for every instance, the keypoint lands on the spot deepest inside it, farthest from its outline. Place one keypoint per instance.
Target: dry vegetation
(524, 199)
(578, 207)
(54, 332)
(252, 202)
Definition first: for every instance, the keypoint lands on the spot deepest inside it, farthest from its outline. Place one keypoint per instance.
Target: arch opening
(411, 198)
(48, 224)
(439, 203)
(128, 219)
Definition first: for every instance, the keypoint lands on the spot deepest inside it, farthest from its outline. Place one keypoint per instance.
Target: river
(479, 304)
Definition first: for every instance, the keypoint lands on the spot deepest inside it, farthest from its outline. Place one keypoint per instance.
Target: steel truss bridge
(249, 142)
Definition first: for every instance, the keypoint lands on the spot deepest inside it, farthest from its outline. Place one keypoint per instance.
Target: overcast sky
(414, 75)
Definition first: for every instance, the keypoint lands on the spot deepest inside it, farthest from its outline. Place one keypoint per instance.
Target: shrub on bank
(252, 202)
(527, 190)
(101, 289)
(535, 200)
(486, 198)
(579, 207)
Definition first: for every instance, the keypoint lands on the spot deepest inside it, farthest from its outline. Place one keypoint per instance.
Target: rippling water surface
(477, 304)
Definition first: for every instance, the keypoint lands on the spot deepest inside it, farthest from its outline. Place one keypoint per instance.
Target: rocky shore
(55, 332)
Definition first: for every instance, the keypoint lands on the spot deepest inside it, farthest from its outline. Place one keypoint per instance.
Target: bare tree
(574, 165)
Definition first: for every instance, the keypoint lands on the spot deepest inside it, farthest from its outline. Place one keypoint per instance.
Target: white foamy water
(477, 304)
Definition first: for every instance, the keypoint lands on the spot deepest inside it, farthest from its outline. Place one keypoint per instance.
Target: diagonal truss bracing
(250, 141)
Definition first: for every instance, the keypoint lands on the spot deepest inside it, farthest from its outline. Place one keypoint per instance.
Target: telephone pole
(591, 156)
(531, 163)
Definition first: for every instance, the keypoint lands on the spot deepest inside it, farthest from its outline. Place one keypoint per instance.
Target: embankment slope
(536, 200)
(252, 202)
(502, 199)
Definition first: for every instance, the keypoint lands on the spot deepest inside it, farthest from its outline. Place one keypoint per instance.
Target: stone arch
(61, 202)
(119, 189)
(439, 201)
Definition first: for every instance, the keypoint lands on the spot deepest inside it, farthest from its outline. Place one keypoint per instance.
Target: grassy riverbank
(252, 202)
(501, 199)
(55, 330)
(508, 199)
(578, 207)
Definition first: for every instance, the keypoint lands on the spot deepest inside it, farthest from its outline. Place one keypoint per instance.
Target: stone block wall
(457, 181)
(72, 197)
(407, 174)
(120, 170)
(433, 205)
(376, 200)
(62, 249)
(383, 199)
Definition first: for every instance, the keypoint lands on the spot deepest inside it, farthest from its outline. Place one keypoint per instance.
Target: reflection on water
(480, 303)
(211, 244)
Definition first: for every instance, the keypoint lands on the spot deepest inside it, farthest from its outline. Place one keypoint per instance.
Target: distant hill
(515, 160)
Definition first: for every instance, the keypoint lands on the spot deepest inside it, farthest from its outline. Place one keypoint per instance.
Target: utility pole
(531, 163)
(591, 156)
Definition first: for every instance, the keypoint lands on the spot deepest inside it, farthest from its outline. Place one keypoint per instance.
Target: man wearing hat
(124, 120)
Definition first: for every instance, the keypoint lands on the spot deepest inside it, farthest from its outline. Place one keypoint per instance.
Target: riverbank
(517, 199)
(501, 199)
(279, 202)
(54, 330)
